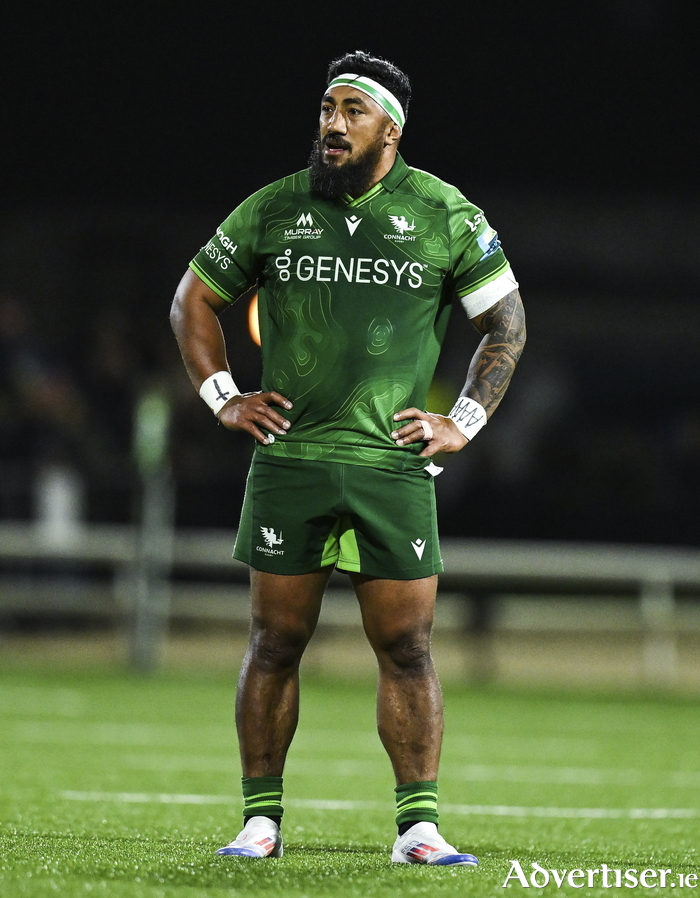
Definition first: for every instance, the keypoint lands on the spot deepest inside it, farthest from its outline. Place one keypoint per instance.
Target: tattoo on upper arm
(503, 327)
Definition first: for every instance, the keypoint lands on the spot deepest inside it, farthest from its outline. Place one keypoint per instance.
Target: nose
(336, 122)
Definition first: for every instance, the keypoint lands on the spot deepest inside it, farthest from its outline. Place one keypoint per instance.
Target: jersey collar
(398, 171)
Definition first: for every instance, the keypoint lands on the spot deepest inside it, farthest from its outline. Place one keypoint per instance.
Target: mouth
(335, 146)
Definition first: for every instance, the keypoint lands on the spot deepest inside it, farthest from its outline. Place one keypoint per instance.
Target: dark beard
(353, 177)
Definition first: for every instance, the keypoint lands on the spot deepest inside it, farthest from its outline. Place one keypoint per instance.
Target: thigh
(394, 611)
(287, 606)
(394, 524)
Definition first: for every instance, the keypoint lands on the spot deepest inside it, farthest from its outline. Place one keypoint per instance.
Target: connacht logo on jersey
(401, 223)
(402, 227)
(305, 229)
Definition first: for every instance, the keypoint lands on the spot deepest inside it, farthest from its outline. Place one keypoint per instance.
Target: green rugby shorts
(301, 515)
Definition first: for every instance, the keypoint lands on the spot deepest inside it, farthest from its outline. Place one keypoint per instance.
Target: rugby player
(357, 260)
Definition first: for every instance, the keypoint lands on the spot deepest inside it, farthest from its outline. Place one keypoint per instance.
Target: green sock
(262, 796)
(417, 801)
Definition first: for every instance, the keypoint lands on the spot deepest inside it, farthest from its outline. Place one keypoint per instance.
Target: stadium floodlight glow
(254, 320)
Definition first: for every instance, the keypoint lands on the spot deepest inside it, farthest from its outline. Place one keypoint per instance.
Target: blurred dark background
(132, 131)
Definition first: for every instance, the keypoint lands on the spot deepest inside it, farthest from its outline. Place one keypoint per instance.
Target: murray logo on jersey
(305, 229)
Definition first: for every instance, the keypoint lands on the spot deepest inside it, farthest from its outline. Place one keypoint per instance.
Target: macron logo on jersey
(353, 223)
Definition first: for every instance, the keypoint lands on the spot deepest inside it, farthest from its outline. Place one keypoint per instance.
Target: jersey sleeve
(229, 263)
(482, 274)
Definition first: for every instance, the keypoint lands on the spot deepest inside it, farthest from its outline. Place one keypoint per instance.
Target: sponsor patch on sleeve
(488, 241)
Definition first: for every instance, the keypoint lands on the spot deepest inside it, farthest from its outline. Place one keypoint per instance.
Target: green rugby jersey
(354, 299)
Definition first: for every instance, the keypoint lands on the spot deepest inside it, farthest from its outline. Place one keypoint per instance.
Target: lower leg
(410, 720)
(410, 713)
(284, 615)
(398, 617)
(267, 712)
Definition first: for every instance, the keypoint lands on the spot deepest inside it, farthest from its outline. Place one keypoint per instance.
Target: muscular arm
(194, 317)
(490, 371)
(493, 364)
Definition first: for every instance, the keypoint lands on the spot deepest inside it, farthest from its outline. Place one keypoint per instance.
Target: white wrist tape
(217, 390)
(469, 416)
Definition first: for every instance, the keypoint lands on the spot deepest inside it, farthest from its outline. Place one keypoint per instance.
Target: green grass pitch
(118, 786)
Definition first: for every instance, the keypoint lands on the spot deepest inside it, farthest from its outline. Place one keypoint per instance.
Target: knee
(407, 653)
(276, 648)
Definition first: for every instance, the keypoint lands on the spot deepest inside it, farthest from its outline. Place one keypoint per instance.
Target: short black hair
(381, 70)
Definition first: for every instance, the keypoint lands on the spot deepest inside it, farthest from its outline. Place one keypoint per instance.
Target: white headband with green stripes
(376, 91)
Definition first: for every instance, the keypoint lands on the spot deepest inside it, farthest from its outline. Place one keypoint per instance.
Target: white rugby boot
(423, 844)
(261, 837)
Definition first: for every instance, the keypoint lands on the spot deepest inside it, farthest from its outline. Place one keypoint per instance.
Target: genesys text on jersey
(331, 269)
(353, 270)
(221, 255)
(218, 255)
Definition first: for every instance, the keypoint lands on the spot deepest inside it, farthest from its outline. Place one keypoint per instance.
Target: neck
(382, 170)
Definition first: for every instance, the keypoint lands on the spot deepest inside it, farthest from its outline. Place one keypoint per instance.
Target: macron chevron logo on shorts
(419, 548)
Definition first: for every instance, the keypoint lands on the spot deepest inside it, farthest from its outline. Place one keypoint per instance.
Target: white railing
(144, 580)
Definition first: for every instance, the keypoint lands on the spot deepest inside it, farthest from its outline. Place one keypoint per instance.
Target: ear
(392, 135)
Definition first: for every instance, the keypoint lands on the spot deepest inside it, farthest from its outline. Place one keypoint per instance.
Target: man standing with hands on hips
(357, 260)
